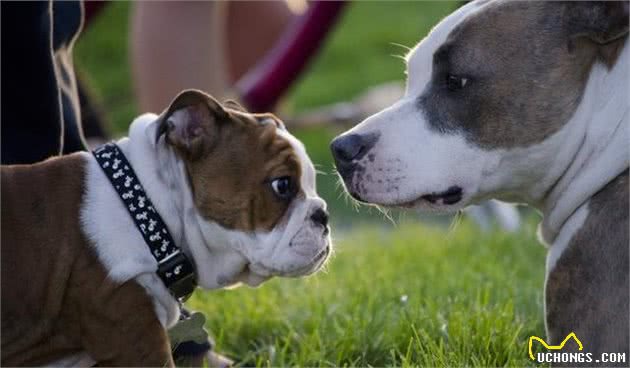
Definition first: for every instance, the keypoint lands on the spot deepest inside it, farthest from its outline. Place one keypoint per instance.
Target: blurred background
(363, 50)
(410, 290)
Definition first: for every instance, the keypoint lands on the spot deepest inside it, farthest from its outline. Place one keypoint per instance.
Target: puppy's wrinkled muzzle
(313, 266)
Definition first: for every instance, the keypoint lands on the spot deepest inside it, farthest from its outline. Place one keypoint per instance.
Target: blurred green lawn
(408, 295)
(412, 296)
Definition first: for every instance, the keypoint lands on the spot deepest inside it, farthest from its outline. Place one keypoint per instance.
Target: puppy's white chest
(119, 244)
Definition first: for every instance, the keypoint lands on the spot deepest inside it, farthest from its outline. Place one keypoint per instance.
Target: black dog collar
(174, 268)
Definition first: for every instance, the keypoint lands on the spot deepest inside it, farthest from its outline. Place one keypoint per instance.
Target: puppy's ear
(190, 123)
(602, 22)
(234, 105)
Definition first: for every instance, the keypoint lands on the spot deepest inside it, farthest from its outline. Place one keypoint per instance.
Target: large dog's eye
(283, 187)
(454, 82)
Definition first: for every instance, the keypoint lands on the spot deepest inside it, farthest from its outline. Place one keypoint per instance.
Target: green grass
(414, 296)
(472, 298)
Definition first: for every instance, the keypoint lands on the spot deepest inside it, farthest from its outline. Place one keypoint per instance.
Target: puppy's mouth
(321, 255)
(311, 267)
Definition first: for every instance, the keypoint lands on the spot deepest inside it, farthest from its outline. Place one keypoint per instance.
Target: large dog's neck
(599, 130)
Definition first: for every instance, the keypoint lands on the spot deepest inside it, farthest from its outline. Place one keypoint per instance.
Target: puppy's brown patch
(231, 159)
(57, 299)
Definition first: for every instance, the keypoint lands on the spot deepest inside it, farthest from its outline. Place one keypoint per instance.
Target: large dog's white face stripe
(392, 178)
(410, 160)
(420, 58)
(483, 115)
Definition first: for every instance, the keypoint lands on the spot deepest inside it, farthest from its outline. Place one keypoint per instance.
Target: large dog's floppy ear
(602, 22)
(190, 122)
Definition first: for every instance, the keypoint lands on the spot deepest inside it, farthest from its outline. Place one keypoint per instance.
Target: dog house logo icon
(553, 347)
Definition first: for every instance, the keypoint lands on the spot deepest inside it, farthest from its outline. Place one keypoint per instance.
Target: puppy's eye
(283, 187)
(454, 82)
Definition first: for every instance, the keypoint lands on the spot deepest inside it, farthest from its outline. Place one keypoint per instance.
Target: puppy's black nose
(320, 217)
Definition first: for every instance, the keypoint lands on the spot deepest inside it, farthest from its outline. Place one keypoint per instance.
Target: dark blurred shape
(92, 9)
(92, 113)
(40, 109)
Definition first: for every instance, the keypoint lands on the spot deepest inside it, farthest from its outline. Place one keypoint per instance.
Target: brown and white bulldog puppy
(522, 101)
(79, 284)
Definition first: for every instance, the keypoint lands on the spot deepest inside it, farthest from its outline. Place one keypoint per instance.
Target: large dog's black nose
(351, 147)
(347, 147)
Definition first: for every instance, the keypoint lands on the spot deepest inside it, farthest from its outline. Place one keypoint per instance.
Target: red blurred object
(92, 9)
(261, 87)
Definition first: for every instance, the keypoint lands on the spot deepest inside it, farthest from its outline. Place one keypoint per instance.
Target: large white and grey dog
(523, 102)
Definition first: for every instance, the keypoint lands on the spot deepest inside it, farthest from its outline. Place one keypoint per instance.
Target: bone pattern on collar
(174, 268)
(117, 242)
(221, 255)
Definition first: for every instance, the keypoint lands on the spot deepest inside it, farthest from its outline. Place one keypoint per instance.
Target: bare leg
(253, 28)
(177, 45)
(205, 45)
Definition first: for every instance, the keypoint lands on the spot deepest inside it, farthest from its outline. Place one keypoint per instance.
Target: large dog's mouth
(443, 201)
(448, 197)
